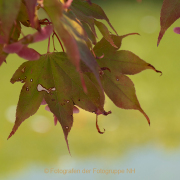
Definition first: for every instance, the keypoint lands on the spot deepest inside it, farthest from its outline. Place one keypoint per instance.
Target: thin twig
(48, 45)
(59, 40)
(53, 42)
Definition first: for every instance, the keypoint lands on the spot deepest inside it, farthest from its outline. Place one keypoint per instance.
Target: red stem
(53, 42)
(59, 41)
(48, 45)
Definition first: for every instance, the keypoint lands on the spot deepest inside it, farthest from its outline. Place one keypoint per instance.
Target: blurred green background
(154, 152)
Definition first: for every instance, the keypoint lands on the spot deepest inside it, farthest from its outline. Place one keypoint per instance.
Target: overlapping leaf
(88, 13)
(90, 10)
(54, 78)
(70, 31)
(170, 12)
(115, 64)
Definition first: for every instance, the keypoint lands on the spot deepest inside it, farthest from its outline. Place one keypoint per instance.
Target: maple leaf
(116, 64)
(170, 12)
(70, 31)
(55, 79)
(88, 13)
(90, 10)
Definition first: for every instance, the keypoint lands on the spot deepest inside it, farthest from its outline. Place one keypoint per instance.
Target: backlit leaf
(103, 46)
(124, 62)
(68, 32)
(86, 19)
(90, 34)
(54, 10)
(54, 79)
(120, 89)
(105, 32)
(114, 64)
(91, 10)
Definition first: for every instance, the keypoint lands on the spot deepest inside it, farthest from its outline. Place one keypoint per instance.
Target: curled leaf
(43, 34)
(97, 126)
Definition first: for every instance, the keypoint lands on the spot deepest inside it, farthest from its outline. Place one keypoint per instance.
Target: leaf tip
(152, 67)
(12, 133)
(148, 120)
(97, 126)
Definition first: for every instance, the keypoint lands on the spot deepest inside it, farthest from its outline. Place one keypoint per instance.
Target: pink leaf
(44, 33)
(13, 48)
(43, 102)
(177, 30)
(2, 41)
(55, 120)
(67, 4)
(75, 110)
(28, 53)
(47, 108)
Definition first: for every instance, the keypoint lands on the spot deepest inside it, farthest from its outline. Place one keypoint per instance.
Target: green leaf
(54, 78)
(90, 34)
(30, 99)
(124, 62)
(91, 10)
(86, 19)
(8, 14)
(120, 89)
(68, 31)
(54, 10)
(104, 47)
(14, 35)
(114, 64)
(23, 16)
(3, 55)
(105, 32)
(15, 32)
